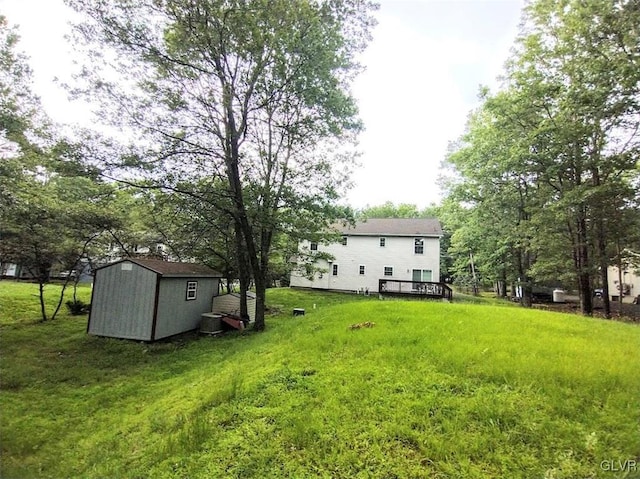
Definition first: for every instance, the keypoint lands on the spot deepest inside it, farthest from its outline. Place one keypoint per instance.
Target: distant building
(630, 286)
(154, 249)
(377, 249)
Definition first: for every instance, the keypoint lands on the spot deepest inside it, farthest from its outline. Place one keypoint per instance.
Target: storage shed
(230, 304)
(147, 299)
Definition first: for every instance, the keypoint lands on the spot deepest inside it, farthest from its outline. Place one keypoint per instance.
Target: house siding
(123, 302)
(177, 315)
(398, 253)
(629, 278)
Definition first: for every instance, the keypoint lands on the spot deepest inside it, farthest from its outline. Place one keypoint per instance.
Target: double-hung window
(192, 290)
(361, 269)
(418, 247)
(334, 270)
(388, 270)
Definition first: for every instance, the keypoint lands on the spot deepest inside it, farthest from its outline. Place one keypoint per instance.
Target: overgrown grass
(433, 390)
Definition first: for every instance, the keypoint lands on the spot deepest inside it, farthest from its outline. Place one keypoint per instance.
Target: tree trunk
(604, 273)
(266, 236)
(245, 243)
(243, 271)
(261, 291)
(620, 278)
(502, 284)
(584, 276)
(60, 299)
(525, 283)
(43, 310)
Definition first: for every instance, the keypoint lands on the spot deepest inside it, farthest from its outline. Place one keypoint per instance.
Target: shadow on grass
(50, 354)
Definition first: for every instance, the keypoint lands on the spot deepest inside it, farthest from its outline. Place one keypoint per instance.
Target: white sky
(423, 71)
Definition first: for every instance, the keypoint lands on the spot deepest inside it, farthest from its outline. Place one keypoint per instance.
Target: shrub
(78, 307)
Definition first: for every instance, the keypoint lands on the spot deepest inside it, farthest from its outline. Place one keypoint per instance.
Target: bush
(78, 307)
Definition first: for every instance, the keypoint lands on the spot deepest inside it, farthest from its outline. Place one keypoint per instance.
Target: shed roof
(394, 227)
(172, 269)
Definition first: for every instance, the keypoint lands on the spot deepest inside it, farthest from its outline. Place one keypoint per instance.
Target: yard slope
(431, 390)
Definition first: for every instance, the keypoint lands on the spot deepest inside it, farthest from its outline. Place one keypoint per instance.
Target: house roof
(250, 295)
(394, 227)
(171, 268)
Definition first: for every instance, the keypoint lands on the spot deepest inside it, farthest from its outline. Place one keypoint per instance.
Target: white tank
(558, 296)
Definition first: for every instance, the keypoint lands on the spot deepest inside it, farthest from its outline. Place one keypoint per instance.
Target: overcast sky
(423, 71)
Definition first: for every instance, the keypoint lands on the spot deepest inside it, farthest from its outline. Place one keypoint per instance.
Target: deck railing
(426, 289)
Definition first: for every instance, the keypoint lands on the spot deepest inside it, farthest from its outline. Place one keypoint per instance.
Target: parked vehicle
(68, 274)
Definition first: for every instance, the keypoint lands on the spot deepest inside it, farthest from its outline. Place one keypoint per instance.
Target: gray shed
(230, 304)
(148, 299)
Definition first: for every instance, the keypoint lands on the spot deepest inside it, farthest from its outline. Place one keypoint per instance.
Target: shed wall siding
(398, 253)
(177, 315)
(123, 302)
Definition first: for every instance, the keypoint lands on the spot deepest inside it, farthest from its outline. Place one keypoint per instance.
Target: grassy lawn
(433, 390)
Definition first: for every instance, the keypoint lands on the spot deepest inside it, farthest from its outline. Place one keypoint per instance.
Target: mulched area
(629, 313)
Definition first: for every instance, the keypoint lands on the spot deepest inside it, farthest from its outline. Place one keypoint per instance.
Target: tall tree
(254, 93)
(568, 120)
(51, 205)
(579, 65)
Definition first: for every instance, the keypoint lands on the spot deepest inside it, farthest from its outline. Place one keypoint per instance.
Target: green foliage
(19, 107)
(547, 177)
(77, 307)
(433, 390)
(248, 103)
(52, 203)
(403, 210)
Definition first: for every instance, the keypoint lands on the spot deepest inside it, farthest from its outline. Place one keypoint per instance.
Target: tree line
(238, 139)
(241, 130)
(544, 185)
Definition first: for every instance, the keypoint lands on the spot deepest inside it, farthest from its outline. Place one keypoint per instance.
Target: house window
(314, 247)
(362, 269)
(418, 247)
(388, 270)
(421, 275)
(383, 242)
(344, 241)
(334, 270)
(192, 290)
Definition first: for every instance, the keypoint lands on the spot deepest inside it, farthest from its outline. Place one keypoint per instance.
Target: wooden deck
(422, 289)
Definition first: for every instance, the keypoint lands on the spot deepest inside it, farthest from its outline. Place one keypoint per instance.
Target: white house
(630, 284)
(390, 249)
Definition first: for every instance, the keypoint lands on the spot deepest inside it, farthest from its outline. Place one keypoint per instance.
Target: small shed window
(313, 247)
(361, 269)
(383, 242)
(419, 246)
(192, 290)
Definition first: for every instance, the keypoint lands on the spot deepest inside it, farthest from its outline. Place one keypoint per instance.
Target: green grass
(434, 390)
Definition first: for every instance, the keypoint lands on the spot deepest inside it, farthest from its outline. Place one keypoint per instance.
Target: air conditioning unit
(211, 323)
